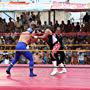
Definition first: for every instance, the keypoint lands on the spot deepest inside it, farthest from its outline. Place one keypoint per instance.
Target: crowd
(71, 42)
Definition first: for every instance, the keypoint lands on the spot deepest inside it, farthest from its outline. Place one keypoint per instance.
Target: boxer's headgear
(30, 30)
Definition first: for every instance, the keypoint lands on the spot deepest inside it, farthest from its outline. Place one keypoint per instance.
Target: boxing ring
(77, 78)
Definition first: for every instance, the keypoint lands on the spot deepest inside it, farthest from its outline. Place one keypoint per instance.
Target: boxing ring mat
(74, 79)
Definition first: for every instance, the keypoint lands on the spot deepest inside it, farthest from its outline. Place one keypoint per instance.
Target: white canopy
(23, 6)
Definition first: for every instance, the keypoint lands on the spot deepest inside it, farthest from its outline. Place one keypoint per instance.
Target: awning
(23, 6)
(72, 7)
(19, 6)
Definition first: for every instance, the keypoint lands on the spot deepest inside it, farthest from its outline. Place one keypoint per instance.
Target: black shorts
(59, 57)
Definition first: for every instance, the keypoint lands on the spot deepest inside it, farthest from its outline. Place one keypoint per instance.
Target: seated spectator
(86, 59)
(51, 24)
(5, 59)
(81, 57)
(82, 28)
(45, 25)
(73, 27)
(63, 26)
(56, 24)
(74, 58)
(77, 27)
(37, 58)
(68, 26)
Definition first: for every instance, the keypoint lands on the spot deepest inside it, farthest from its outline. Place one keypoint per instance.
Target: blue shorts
(22, 46)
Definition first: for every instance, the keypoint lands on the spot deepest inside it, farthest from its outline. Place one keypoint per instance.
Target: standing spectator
(33, 17)
(38, 19)
(5, 25)
(38, 16)
(86, 18)
(24, 15)
(27, 16)
(18, 25)
(1, 25)
(11, 26)
(39, 24)
(22, 22)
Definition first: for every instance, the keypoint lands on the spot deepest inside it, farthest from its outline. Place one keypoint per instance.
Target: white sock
(55, 70)
(63, 67)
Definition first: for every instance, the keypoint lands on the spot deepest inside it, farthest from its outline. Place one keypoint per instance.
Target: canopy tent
(88, 5)
(23, 6)
(54, 6)
(72, 7)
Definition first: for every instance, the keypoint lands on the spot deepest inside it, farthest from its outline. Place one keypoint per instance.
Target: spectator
(1, 25)
(77, 27)
(22, 22)
(74, 58)
(68, 26)
(5, 26)
(38, 16)
(27, 16)
(17, 25)
(82, 28)
(25, 20)
(33, 17)
(45, 25)
(38, 58)
(62, 26)
(6, 60)
(73, 27)
(86, 18)
(56, 24)
(51, 24)
(81, 57)
(11, 26)
(87, 27)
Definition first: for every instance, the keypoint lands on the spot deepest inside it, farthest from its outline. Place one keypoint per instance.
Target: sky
(76, 1)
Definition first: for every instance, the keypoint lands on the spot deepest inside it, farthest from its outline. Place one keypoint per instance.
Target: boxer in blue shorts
(24, 40)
